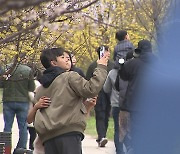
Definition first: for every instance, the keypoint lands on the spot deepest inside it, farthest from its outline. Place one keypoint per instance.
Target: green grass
(91, 128)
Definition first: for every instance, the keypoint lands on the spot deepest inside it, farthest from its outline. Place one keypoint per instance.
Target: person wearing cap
(123, 46)
(131, 71)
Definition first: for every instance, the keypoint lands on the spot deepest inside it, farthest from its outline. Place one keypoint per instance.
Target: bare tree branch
(100, 22)
(9, 38)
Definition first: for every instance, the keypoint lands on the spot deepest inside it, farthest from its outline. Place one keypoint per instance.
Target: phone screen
(101, 53)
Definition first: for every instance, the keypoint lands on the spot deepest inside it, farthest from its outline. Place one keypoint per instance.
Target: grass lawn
(91, 128)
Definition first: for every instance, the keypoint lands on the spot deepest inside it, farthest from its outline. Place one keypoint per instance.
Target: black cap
(144, 44)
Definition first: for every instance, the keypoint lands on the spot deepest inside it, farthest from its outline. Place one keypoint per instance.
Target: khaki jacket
(66, 112)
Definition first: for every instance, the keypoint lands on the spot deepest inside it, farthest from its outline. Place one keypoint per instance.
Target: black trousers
(102, 119)
(67, 144)
(32, 133)
(102, 111)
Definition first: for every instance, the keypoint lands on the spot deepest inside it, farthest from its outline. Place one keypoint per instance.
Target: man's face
(127, 37)
(63, 61)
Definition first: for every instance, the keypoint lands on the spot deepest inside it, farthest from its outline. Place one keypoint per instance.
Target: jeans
(118, 144)
(20, 109)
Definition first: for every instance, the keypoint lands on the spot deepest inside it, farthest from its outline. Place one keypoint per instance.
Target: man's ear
(53, 63)
(127, 37)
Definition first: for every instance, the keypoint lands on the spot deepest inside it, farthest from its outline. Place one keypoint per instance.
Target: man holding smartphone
(102, 107)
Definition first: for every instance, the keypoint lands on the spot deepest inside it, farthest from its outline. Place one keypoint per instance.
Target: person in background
(123, 46)
(117, 94)
(16, 100)
(131, 72)
(102, 107)
(31, 129)
(109, 88)
(74, 68)
(158, 97)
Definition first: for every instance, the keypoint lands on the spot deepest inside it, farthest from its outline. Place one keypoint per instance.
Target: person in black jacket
(102, 107)
(131, 71)
(158, 97)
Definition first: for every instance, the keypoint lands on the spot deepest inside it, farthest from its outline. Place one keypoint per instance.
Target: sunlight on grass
(91, 128)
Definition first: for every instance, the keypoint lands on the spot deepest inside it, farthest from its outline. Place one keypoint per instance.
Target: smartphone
(101, 52)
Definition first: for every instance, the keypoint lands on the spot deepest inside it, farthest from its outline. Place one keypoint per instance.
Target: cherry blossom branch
(37, 23)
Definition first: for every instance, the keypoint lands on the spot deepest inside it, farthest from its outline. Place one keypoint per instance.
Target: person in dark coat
(159, 95)
(131, 72)
(102, 107)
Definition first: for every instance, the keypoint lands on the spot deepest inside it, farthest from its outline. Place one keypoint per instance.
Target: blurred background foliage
(79, 26)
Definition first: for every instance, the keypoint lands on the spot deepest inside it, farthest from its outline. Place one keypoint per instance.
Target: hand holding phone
(101, 51)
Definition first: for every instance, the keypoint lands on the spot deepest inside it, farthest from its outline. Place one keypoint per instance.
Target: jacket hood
(144, 46)
(49, 75)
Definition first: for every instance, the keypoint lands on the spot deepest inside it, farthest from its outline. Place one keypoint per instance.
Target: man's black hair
(47, 55)
(120, 35)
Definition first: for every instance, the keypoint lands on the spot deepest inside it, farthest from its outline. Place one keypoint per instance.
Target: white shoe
(103, 142)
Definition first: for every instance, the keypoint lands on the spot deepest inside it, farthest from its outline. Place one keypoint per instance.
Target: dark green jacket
(21, 82)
